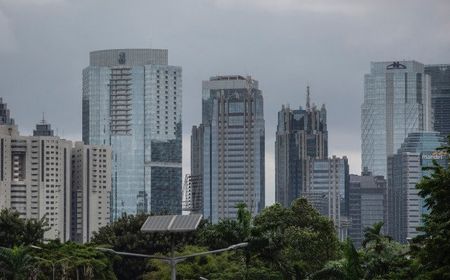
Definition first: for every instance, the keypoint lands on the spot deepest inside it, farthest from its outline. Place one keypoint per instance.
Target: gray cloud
(285, 44)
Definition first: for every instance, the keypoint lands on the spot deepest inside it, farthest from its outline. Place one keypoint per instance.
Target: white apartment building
(91, 190)
(39, 177)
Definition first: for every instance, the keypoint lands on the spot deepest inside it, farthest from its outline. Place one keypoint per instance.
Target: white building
(91, 190)
(38, 177)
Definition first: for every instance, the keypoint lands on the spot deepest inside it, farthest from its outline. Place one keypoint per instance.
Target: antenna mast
(308, 105)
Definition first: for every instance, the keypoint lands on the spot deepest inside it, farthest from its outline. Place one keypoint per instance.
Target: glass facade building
(132, 101)
(301, 136)
(397, 101)
(228, 147)
(405, 170)
(367, 204)
(440, 96)
(327, 182)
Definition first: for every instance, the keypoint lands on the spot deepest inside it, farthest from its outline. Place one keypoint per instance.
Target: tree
(226, 232)
(296, 241)
(432, 246)
(347, 268)
(125, 235)
(16, 264)
(223, 266)
(16, 231)
(73, 261)
(373, 235)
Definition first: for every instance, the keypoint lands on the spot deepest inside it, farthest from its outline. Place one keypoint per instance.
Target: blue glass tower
(405, 170)
(132, 101)
(397, 101)
(440, 96)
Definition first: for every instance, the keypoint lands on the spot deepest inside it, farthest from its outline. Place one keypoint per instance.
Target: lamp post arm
(133, 254)
(232, 247)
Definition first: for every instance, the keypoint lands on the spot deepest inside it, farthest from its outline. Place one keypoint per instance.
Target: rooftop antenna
(43, 118)
(308, 105)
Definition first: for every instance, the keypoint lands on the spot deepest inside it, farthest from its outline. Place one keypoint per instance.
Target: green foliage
(16, 264)
(347, 268)
(72, 261)
(295, 241)
(223, 266)
(16, 231)
(125, 235)
(432, 247)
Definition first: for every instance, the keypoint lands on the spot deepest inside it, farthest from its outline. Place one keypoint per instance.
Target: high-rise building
(301, 136)
(36, 180)
(194, 181)
(228, 147)
(440, 96)
(327, 183)
(5, 118)
(132, 102)
(91, 190)
(367, 204)
(405, 170)
(44, 176)
(43, 129)
(397, 101)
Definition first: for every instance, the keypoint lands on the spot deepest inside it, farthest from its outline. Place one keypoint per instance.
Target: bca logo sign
(395, 65)
(122, 58)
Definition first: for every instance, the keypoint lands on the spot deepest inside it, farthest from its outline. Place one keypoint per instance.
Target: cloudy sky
(285, 44)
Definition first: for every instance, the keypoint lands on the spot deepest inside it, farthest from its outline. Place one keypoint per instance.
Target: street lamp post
(172, 260)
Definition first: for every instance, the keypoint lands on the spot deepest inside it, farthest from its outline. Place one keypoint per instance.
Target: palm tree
(373, 235)
(347, 268)
(16, 263)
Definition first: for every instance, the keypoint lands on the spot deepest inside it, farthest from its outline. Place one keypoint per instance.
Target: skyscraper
(229, 145)
(44, 176)
(132, 101)
(367, 204)
(397, 101)
(301, 136)
(91, 190)
(326, 184)
(405, 170)
(440, 96)
(36, 179)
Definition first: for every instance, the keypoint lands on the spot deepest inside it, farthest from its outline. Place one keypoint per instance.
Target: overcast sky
(284, 44)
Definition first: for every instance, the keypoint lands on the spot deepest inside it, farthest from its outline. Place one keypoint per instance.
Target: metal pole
(173, 264)
(173, 267)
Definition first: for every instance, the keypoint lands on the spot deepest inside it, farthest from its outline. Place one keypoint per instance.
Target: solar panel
(172, 223)
(157, 223)
(186, 223)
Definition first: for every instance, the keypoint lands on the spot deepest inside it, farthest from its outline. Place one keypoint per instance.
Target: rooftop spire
(308, 105)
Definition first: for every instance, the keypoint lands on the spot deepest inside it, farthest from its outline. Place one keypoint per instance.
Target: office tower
(230, 146)
(8, 130)
(397, 101)
(43, 129)
(440, 96)
(301, 136)
(194, 182)
(367, 204)
(5, 118)
(132, 102)
(405, 170)
(91, 190)
(327, 182)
